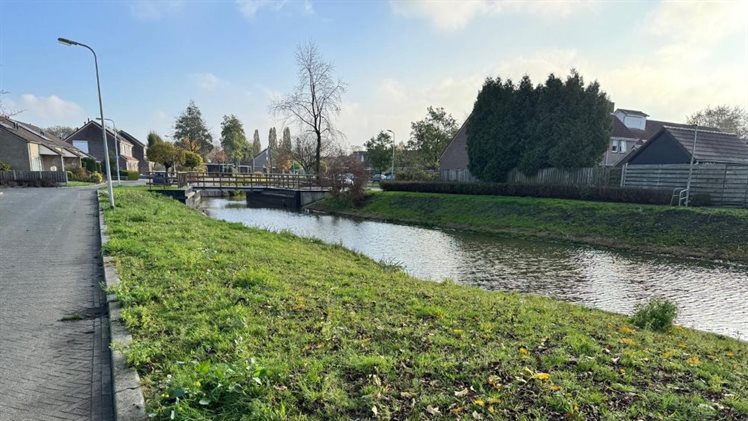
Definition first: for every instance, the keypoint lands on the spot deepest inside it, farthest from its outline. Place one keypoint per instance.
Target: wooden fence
(591, 176)
(461, 175)
(31, 176)
(725, 184)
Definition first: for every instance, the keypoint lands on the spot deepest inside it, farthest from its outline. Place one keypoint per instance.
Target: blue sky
(665, 58)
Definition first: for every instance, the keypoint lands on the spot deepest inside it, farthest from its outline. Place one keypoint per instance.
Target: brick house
(26, 147)
(88, 139)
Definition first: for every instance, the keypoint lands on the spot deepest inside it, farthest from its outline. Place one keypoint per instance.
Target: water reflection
(710, 297)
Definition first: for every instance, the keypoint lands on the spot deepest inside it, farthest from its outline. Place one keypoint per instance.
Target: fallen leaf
(461, 393)
(477, 416)
(374, 410)
(541, 376)
(433, 410)
(523, 351)
(479, 402)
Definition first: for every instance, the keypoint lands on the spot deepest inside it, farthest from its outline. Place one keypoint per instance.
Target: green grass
(693, 232)
(79, 184)
(231, 323)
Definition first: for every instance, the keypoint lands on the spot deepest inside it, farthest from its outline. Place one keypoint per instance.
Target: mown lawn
(232, 323)
(79, 184)
(693, 232)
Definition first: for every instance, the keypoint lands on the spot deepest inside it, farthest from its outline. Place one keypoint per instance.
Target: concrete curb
(129, 404)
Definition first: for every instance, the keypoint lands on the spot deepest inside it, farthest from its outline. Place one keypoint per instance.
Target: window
(81, 144)
(618, 146)
(125, 149)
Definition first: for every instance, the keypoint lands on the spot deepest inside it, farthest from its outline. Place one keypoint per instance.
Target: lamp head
(65, 41)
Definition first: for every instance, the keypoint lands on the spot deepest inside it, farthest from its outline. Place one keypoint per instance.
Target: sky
(668, 59)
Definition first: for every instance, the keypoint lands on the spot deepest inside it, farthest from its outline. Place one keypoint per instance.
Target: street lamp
(690, 166)
(116, 147)
(393, 153)
(66, 41)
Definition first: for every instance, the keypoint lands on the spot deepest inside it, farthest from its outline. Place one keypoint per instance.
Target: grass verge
(691, 232)
(79, 184)
(231, 322)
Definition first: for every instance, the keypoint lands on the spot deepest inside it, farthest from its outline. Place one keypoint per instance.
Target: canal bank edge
(326, 206)
(129, 404)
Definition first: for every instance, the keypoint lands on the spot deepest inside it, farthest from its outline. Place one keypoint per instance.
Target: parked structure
(138, 152)
(88, 139)
(29, 148)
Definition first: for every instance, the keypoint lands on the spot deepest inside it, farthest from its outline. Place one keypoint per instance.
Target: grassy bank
(696, 232)
(237, 323)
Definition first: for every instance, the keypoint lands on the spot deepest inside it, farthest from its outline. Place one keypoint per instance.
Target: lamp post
(690, 166)
(65, 41)
(116, 147)
(393, 153)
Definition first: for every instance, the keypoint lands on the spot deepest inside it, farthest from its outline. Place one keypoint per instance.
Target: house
(262, 161)
(138, 152)
(453, 162)
(631, 129)
(26, 147)
(88, 139)
(675, 145)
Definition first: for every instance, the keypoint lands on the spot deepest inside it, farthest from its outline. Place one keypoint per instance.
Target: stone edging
(129, 404)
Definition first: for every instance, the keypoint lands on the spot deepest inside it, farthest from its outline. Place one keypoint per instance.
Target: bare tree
(6, 111)
(730, 119)
(316, 100)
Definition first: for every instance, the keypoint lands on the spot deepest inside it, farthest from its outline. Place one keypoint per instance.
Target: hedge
(595, 193)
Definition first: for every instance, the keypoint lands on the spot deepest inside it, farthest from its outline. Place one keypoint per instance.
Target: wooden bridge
(284, 190)
(224, 181)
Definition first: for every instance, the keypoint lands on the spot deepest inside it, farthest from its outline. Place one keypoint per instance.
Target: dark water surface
(710, 296)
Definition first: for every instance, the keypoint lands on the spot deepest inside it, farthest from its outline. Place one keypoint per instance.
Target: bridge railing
(227, 181)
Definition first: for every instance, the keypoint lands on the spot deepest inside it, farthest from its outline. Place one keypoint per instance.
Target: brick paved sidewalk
(54, 334)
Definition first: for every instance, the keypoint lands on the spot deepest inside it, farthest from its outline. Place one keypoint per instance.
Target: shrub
(596, 193)
(657, 314)
(133, 175)
(347, 179)
(4, 166)
(78, 174)
(417, 174)
(90, 164)
(96, 178)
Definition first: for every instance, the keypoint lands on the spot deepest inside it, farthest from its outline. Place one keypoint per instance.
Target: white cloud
(249, 8)
(153, 10)
(450, 15)
(49, 109)
(207, 81)
(699, 22)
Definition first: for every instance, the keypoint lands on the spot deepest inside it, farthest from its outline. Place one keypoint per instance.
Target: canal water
(710, 296)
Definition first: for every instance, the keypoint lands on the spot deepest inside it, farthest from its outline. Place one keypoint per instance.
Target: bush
(347, 179)
(417, 174)
(96, 178)
(657, 314)
(133, 175)
(78, 174)
(91, 165)
(595, 193)
(4, 166)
